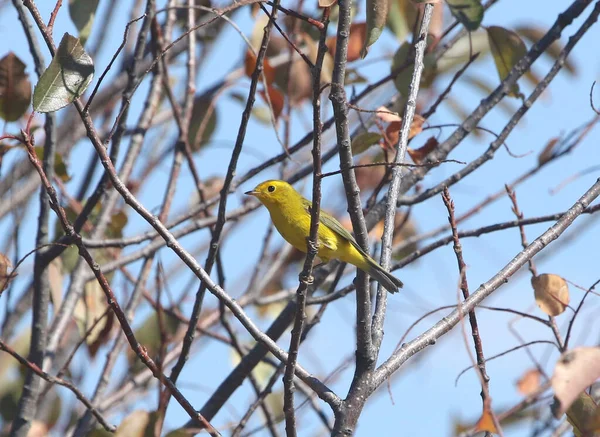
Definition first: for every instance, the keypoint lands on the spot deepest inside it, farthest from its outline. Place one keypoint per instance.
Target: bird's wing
(332, 223)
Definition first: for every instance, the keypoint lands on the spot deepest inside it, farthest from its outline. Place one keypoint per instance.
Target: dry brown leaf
(15, 88)
(377, 230)
(575, 370)
(250, 66)
(5, 272)
(358, 35)
(273, 286)
(486, 422)
(418, 155)
(368, 178)
(551, 293)
(393, 130)
(548, 151)
(90, 308)
(529, 382)
(296, 82)
(104, 335)
(277, 100)
(212, 186)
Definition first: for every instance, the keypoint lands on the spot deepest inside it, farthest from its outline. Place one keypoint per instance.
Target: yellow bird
(290, 213)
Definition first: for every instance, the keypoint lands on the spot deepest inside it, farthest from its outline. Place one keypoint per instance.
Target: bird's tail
(385, 278)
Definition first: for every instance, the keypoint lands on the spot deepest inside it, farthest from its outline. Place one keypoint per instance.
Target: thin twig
(312, 242)
(420, 45)
(53, 16)
(345, 419)
(513, 198)
(506, 352)
(464, 287)
(572, 321)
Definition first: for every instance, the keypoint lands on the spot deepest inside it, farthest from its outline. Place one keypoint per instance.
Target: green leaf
(507, 48)
(118, 221)
(66, 78)
(581, 415)
(204, 117)
(377, 12)
(401, 13)
(15, 88)
(365, 140)
(354, 77)
(463, 49)
(148, 334)
(404, 76)
(82, 13)
(139, 423)
(9, 399)
(60, 168)
(468, 12)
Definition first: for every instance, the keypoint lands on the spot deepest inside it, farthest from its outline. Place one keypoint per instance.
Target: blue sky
(425, 398)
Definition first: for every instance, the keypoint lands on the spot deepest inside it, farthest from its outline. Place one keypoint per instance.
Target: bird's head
(272, 192)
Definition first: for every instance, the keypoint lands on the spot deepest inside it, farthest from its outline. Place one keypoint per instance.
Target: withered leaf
(418, 155)
(551, 293)
(529, 382)
(15, 88)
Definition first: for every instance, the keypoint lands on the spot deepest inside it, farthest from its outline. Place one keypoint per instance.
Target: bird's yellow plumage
(290, 213)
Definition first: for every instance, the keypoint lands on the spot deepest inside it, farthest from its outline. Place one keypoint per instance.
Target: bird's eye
(271, 188)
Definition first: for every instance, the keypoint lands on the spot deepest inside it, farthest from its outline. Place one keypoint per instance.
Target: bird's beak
(250, 193)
